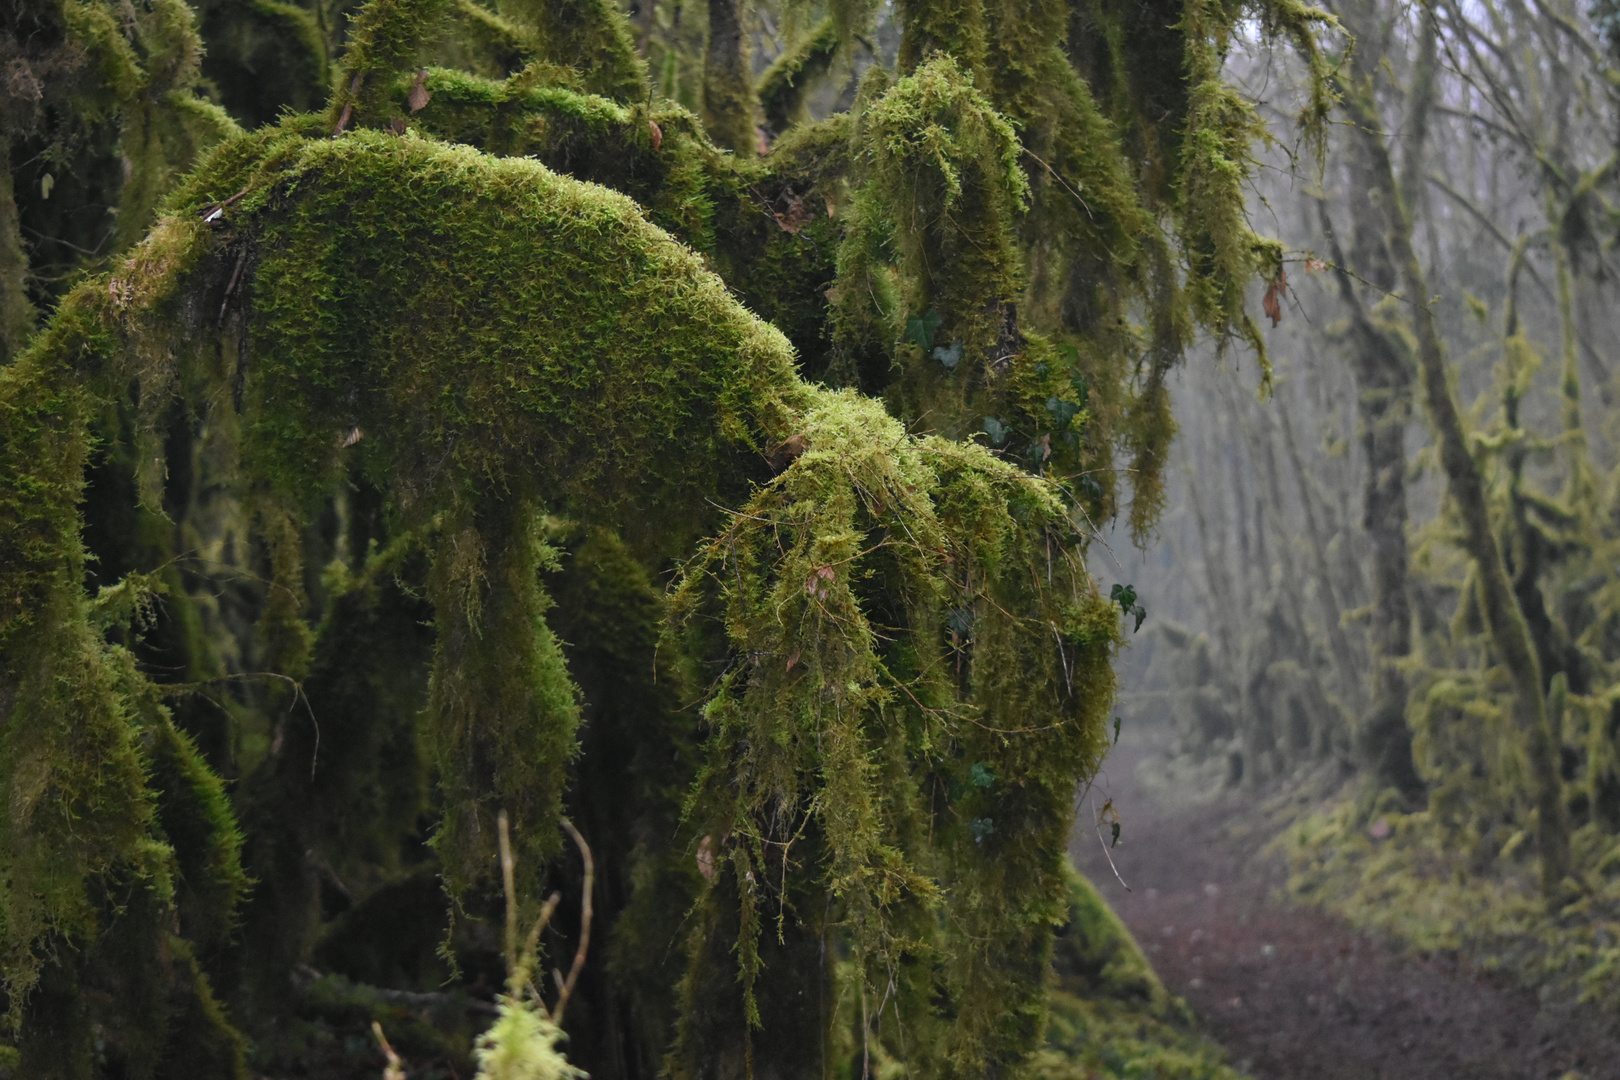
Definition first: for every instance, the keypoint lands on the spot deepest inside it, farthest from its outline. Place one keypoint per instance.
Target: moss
(783, 85)
(387, 36)
(730, 105)
(691, 371)
(955, 28)
(847, 738)
(592, 36)
(464, 384)
(942, 157)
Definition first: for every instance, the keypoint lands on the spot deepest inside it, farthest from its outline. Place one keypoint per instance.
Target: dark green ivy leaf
(1082, 388)
(920, 329)
(1125, 597)
(1063, 412)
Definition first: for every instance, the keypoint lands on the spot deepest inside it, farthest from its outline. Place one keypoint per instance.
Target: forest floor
(1292, 992)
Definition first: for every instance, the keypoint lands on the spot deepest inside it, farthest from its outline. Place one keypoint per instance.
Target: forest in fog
(544, 538)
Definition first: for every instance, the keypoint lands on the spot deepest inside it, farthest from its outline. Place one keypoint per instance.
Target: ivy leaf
(981, 828)
(1063, 412)
(980, 776)
(1114, 827)
(920, 329)
(1125, 597)
(997, 430)
(949, 355)
(1082, 388)
(1090, 488)
(1070, 353)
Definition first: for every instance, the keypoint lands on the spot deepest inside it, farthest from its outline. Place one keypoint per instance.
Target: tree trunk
(16, 313)
(1383, 406)
(1464, 484)
(728, 91)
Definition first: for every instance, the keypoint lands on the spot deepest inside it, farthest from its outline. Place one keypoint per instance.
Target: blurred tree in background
(1406, 604)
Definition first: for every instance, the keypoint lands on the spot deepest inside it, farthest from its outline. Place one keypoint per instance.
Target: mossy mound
(914, 663)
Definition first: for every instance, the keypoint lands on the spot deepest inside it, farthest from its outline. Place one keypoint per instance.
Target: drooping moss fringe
(924, 679)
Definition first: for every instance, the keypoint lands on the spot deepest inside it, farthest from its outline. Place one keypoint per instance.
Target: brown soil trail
(1295, 994)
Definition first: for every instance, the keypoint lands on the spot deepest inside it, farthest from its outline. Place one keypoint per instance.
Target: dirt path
(1293, 993)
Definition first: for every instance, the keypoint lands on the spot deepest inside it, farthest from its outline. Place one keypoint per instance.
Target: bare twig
(396, 1067)
(348, 106)
(1097, 825)
(565, 987)
(503, 831)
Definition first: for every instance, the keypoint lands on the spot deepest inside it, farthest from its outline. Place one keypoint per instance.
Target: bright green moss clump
(433, 319)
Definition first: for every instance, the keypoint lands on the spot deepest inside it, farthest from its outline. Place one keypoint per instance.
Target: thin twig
(503, 831)
(1059, 179)
(566, 987)
(396, 1067)
(1097, 825)
(230, 286)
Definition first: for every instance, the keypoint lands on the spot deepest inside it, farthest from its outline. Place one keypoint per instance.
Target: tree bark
(16, 313)
(728, 90)
(1383, 406)
(1465, 485)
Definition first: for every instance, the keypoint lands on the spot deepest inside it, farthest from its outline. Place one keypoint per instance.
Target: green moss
(418, 335)
(943, 158)
(849, 736)
(783, 86)
(592, 36)
(694, 392)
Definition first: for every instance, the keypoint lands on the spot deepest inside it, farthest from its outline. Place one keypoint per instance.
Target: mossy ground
(1394, 873)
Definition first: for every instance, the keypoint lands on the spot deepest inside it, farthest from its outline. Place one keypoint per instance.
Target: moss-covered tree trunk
(1465, 486)
(16, 313)
(1385, 374)
(729, 103)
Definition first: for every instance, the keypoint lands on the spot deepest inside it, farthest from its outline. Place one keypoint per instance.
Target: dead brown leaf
(419, 95)
(1276, 293)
